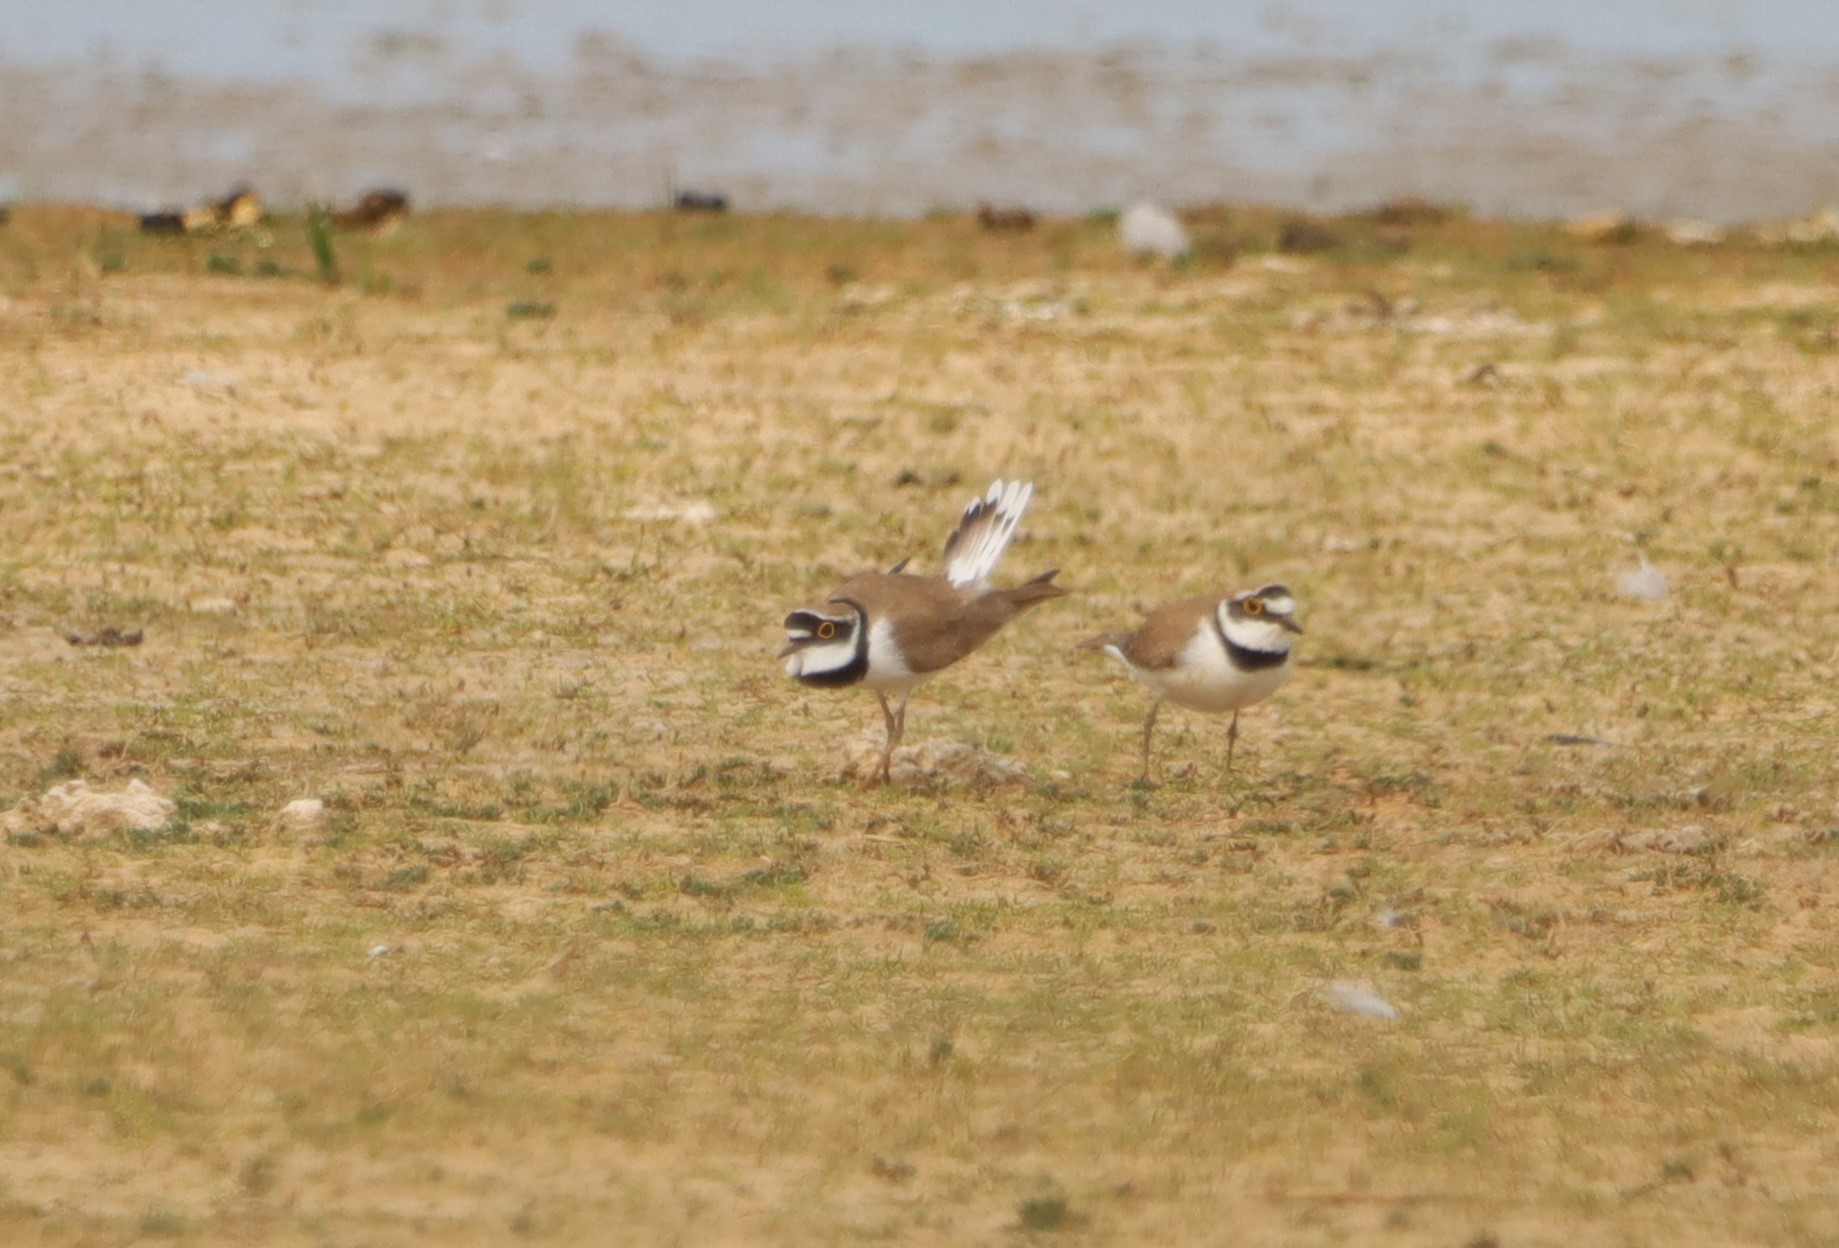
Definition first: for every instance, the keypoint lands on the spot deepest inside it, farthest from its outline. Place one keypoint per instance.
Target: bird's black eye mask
(808, 628)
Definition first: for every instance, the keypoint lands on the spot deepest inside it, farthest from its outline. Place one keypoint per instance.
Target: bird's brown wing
(1157, 643)
(935, 623)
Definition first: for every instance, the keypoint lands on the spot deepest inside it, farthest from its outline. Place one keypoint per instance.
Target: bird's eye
(1254, 606)
(826, 631)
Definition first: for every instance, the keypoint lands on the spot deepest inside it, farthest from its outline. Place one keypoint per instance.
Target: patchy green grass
(592, 934)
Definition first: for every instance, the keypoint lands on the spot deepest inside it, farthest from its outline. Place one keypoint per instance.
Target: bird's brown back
(1157, 643)
(935, 623)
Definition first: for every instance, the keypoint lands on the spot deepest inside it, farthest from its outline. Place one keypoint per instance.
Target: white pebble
(1146, 230)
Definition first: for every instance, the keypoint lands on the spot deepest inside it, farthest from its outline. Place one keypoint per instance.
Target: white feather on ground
(1646, 583)
(984, 533)
(1146, 230)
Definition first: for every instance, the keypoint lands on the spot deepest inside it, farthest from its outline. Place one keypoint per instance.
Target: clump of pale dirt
(1646, 583)
(952, 764)
(1820, 227)
(1693, 838)
(303, 814)
(1358, 998)
(1693, 233)
(74, 811)
(693, 513)
(1603, 227)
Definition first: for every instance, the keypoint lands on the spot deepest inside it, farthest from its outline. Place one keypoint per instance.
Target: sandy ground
(486, 547)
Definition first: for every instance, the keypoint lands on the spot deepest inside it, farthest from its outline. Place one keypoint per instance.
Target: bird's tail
(1103, 641)
(1034, 592)
(984, 532)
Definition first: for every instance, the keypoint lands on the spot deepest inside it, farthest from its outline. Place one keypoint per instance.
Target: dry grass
(407, 544)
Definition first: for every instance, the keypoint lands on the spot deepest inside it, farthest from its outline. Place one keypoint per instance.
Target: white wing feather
(984, 532)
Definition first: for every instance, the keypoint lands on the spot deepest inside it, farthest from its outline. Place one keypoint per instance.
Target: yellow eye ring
(1254, 606)
(826, 631)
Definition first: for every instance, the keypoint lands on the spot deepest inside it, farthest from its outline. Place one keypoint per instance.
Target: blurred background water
(1695, 108)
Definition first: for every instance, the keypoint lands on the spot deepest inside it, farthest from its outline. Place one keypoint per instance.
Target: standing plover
(890, 631)
(1209, 654)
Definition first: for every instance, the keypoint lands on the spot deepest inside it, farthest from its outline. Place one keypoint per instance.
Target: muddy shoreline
(1533, 130)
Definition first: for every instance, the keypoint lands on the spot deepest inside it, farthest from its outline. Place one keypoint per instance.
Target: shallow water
(1717, 110)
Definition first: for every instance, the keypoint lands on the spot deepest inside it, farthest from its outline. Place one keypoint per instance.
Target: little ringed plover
(1209, 654)
(891, 631)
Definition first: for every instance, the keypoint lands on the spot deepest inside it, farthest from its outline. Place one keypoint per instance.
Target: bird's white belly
(1206, 680)
(887, 671)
